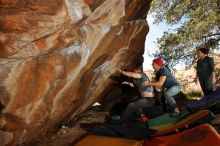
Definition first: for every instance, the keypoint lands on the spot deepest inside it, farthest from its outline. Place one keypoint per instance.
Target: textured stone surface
(56, 57)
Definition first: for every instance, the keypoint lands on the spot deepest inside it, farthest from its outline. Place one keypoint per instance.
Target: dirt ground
(71, 132)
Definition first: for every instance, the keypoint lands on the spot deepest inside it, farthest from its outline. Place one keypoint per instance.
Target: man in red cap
(168, 83)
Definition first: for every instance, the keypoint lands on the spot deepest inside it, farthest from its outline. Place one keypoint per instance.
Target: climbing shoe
(143, 118)
(115, 118)
(174, 114)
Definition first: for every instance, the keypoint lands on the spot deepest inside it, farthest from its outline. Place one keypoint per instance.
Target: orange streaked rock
(56, 58)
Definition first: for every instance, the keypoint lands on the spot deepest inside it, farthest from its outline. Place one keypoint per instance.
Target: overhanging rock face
(56, 57)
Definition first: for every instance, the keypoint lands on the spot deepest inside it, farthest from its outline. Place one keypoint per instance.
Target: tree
(200, 26)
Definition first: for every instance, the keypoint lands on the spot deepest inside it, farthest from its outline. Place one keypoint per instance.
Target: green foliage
(217, 72)
(194, 95)
(200, 26)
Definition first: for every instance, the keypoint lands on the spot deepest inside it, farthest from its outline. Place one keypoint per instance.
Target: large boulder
(56, 57)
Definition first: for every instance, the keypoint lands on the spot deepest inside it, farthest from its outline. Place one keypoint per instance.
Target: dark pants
(206, 85)
(135, 108)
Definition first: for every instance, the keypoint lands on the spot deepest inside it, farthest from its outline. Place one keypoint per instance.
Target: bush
(194, 94)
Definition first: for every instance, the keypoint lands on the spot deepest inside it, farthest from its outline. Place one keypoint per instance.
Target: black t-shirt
(139, 83)
(170, 80)
(205, 67)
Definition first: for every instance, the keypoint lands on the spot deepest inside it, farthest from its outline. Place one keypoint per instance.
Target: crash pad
(203, 135)
(165, 124)
(96, 140)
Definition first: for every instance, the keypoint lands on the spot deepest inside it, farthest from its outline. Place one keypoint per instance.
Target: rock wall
(56, 57)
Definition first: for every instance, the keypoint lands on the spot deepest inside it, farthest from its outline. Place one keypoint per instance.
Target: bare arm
(213, 78)
(196, 78)
(130, 74)
(156, 83)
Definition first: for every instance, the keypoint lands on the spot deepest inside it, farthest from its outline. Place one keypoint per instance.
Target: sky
(155, 31)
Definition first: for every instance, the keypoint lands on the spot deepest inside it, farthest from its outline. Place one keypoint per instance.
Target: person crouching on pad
(169, 84)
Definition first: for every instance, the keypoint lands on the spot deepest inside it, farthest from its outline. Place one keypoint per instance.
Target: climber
(135, 108)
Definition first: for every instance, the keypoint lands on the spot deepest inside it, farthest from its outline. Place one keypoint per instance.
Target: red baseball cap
(158, 61)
